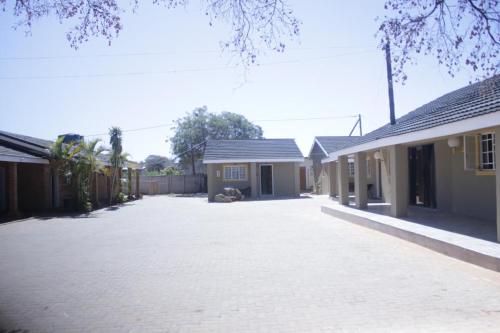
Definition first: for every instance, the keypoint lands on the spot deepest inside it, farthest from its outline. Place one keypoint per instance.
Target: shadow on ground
(57, 215)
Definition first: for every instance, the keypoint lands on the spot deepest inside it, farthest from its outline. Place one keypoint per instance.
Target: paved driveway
(182, 265)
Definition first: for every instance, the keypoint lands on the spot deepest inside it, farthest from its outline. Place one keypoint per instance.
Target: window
(351, 169)
(487, 151)
(235, 172)
(368, 169)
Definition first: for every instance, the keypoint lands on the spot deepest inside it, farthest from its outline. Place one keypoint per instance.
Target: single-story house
(263, 167)
(25, 174)
(441, 156)
(30, 181)
(321, 147)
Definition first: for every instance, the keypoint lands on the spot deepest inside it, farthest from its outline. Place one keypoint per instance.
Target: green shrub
(121, 198)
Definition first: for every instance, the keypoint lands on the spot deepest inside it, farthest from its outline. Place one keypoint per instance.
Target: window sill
(485, 173)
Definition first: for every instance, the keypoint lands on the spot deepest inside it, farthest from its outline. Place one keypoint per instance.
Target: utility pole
(389, 81)
(360, 128)
(358, 123)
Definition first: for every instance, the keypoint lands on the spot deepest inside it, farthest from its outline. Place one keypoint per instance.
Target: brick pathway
(182, 265)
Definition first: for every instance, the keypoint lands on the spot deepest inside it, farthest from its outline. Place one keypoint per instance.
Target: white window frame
(235, 170)
(350, 167)
(489, 153)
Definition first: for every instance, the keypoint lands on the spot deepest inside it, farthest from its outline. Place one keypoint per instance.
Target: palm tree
(89, 158)
(64, 161)
(115, 140)
(63, 155)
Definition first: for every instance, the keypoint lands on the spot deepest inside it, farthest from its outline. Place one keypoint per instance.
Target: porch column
(343, 180)
(12, 190)
(296, 172)
(137, 184)
(378, 181)
(253, 180)
(497, 176)
(399, 180)
(332, 172)
(360, 183)
(47, 187)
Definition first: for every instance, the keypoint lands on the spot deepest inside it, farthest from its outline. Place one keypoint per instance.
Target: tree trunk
(192, 162)
(112, 186)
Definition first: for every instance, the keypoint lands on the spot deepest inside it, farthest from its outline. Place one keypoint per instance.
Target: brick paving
(168, 264)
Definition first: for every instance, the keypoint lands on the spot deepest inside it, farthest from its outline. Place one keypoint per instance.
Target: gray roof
(471, 101)
(248, 150)
(8, 153)
(26, 144)
(334, 143)
(29, 139)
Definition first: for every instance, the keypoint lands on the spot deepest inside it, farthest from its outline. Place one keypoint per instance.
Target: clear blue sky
(314, 78)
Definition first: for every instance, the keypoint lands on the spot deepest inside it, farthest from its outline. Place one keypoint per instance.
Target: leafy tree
(156, 162)
(192, 131)
(458, 33)
(254, 23)
(169, 171)
(228, 125)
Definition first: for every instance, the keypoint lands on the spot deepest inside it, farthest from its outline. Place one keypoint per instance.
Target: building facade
(262, 168)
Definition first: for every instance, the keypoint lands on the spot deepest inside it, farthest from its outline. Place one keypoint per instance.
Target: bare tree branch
(255, 24)
(459, 33)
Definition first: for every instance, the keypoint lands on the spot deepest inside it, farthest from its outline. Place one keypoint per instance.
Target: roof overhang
(455, 128)
(258, 160)
(21, 159)
(131, 165)
(316, 141)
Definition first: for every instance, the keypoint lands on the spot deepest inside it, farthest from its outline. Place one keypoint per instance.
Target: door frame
(427, 180)
(272, 179)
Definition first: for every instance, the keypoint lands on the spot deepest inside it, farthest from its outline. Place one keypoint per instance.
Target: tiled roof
(471, 101)
(6, 152)
(333, 143)
(26, 144)
(247, 150)
(29, 139)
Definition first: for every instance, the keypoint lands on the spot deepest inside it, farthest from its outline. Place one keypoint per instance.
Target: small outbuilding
(261, 168)
(324, 176)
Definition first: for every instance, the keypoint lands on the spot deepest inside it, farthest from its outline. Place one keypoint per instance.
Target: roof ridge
(260, 139)
(14, 136)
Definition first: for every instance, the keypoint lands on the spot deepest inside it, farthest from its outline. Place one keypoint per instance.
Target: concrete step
(472, 250)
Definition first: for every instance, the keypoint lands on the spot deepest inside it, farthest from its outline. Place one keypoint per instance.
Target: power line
(152, 53)
(174, 71)
(133, 129)
(256, 120)
(311, 118)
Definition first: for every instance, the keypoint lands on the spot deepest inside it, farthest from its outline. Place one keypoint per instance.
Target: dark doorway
(303, 179)
(266, 179)
(422, 176)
